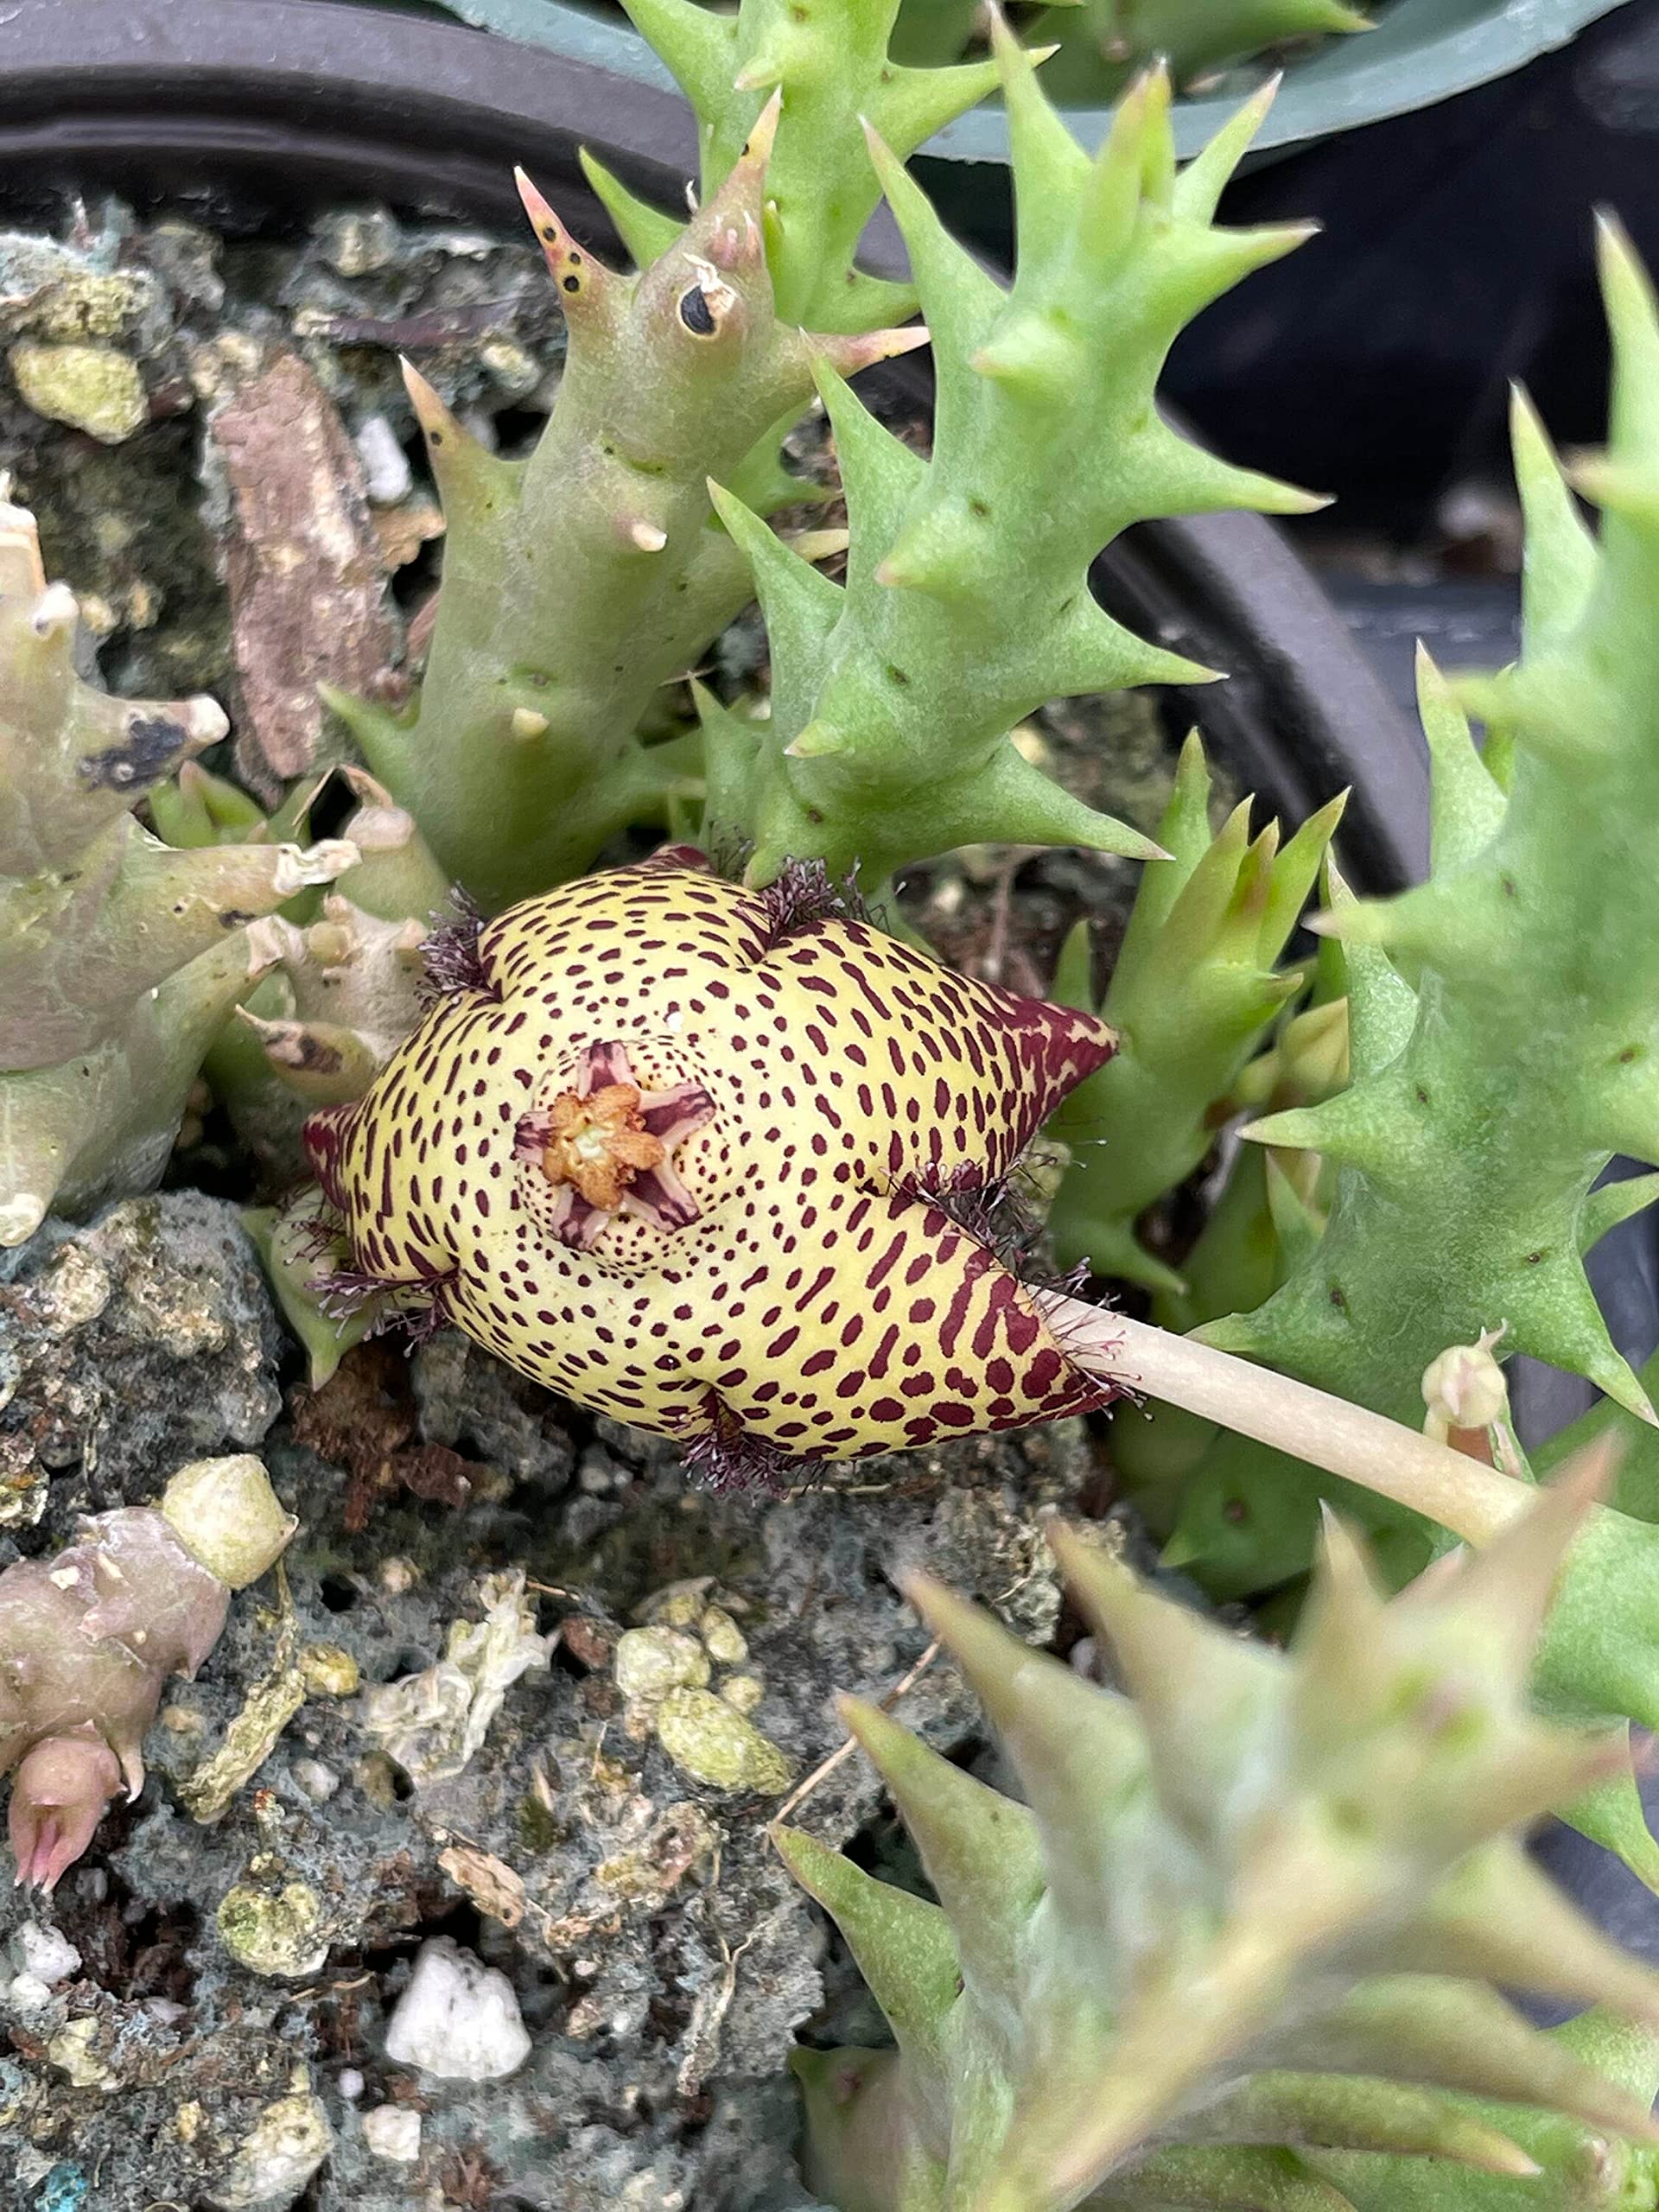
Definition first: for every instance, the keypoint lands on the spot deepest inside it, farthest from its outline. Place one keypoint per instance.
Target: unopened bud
(1465, 1387)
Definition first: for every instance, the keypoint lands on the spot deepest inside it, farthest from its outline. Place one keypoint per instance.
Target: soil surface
(519, 1691)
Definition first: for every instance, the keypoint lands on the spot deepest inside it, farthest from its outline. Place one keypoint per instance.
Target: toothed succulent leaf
(1467, 1153)
(577, 582)
(829, 61)
(1581, 2168)
(1194, 989)
(966, 603)
(1252, 1910)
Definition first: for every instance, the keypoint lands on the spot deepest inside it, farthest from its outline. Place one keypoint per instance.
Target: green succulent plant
(1241, 1937)
(1243, 1943)
(966, 603)
(1193, 992)
(1103, 42)
(345, 981)
(1502, 1034)
(577, 584)
(119, 956)
(1504, 1014)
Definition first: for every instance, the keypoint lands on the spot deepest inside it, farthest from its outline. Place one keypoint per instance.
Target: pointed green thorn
(818, 741)
(758, 74)
(1183, 1549)
(1614, 1202)
(1032, 354)
(1075, 1752)
(1201, 183)
(1298, 1129)
(646, 231)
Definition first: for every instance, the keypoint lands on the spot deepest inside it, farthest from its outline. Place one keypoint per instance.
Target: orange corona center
(600, 1143)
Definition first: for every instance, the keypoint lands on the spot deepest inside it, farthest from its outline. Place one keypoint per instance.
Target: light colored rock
(393, 2132)
(329, 1670)
(320, 1783)
(651, 1661)
(387, 477)
(721, 1634)
(226, 1516)
(709, 1738)
(458, 2019)
(279, 1933)
(93, 388)
(289, 2141)
(73, 2051)
(743, 1691)
(45, 1952)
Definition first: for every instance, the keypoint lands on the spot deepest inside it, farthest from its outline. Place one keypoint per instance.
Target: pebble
(320, 1783)
(458, 2019)
(393, 2132)
(712, 1740)
(92, 388)
(387, 477)
(289, 2141)
(278, 1935)
(651, 1661)
(44, 1953)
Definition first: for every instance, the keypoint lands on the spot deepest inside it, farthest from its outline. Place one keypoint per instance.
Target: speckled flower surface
(692, 1154)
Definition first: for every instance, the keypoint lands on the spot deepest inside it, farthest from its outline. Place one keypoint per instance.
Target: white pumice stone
(387, 477)
(458, 2019)
(393, 2132)
(45, 1952)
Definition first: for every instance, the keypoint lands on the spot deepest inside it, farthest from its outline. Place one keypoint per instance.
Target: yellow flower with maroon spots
(710, 1160)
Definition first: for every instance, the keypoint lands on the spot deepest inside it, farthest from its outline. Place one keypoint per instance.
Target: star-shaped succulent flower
(705, 1158)
(607, 1147)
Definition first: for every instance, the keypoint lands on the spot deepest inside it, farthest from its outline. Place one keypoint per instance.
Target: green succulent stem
(578, 582)
(119, 956)
(1189, 1964)
(966, 603)
(831, 62)
(1103, 42)
(1492, 1087)
(1193, 993)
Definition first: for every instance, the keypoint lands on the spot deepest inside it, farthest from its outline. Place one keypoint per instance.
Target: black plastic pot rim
(427, 113)
(307, 101)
